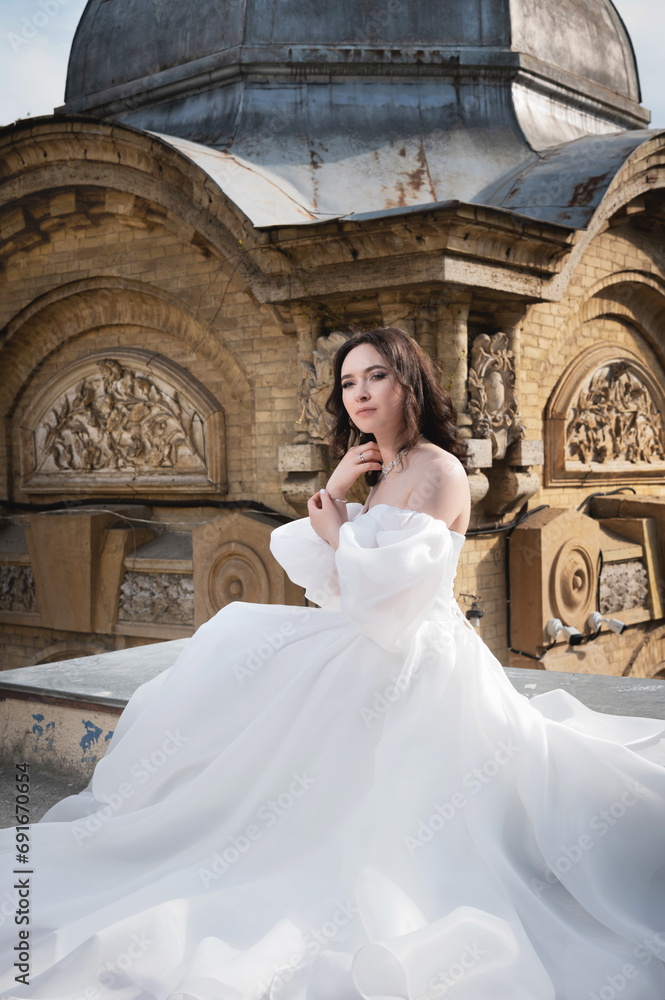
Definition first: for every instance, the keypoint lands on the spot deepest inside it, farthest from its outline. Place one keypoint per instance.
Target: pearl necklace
(397, 460)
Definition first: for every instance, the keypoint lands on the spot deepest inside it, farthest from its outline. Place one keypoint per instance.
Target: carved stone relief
(120, 419)
(157, 598)
(112, 420)
(553, 563)
(232, 562)
(493, 402)
(17, 589)
(605, 420)
(317, 383)
(614, 420)
(623, 585)
(648, 657)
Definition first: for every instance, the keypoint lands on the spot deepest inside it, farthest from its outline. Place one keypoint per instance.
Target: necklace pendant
(397, 460)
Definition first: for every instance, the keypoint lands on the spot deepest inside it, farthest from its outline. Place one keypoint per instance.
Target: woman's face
(371, 394)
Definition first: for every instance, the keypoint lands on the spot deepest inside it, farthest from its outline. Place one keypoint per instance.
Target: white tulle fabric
(349, 802)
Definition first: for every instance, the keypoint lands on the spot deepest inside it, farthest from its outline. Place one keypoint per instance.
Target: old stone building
(227, 188)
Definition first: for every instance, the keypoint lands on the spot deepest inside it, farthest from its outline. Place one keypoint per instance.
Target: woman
(352, 801)
(385, 387)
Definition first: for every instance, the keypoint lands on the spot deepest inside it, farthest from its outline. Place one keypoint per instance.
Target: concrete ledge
(62, 715)
(107, 679)
(613, 695)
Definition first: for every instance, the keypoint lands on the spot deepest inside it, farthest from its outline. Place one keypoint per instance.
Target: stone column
(452, 348)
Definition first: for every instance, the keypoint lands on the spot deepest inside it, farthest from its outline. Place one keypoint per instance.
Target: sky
(36, 35)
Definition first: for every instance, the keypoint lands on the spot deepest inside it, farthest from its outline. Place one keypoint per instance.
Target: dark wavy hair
(428, 408)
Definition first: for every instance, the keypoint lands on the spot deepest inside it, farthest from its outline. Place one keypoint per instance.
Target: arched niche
(121, 419)
(605, 421)
(72, 321)
(648, 658)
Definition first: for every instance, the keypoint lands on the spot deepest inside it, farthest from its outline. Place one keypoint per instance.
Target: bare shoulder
(441, 487)
(434, 463)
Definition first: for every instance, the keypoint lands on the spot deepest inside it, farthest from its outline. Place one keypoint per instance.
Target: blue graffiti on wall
(48, 731)
(91, 738)
(92, 734)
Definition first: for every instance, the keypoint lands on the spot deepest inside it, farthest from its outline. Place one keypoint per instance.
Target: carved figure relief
(605, 420)
(614, 419)
(157, 598)
(317, 383)
(120, 419)
(114, 420)
(17, 589)
(493, 402)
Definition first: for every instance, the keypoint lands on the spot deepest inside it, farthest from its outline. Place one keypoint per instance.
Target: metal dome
(127, 41)
(361, 106)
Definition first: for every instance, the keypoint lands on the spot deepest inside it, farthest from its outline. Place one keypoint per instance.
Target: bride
(352, 801)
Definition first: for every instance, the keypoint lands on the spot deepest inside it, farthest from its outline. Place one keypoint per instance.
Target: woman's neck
(390, 445)
(387, 448)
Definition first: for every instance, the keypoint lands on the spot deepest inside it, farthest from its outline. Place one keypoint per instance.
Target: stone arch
(648, 658)
(617, 431)
(68, 649)
(628, 296)
(70, 310)
(642, 173)
(53, 156)
(99, 305)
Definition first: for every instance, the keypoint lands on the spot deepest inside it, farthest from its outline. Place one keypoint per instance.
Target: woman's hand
(324, 518)
(352, 466)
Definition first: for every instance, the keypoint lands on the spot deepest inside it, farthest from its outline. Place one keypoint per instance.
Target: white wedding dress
(352, 801)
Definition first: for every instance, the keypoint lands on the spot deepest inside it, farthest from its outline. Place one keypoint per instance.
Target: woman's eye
(347, 385)
(379, 375)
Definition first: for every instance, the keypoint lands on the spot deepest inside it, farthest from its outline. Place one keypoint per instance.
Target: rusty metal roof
(567, 184)
(563, 187)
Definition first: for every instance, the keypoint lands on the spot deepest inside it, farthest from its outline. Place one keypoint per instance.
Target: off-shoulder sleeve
(308, 560)
(391, 569)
